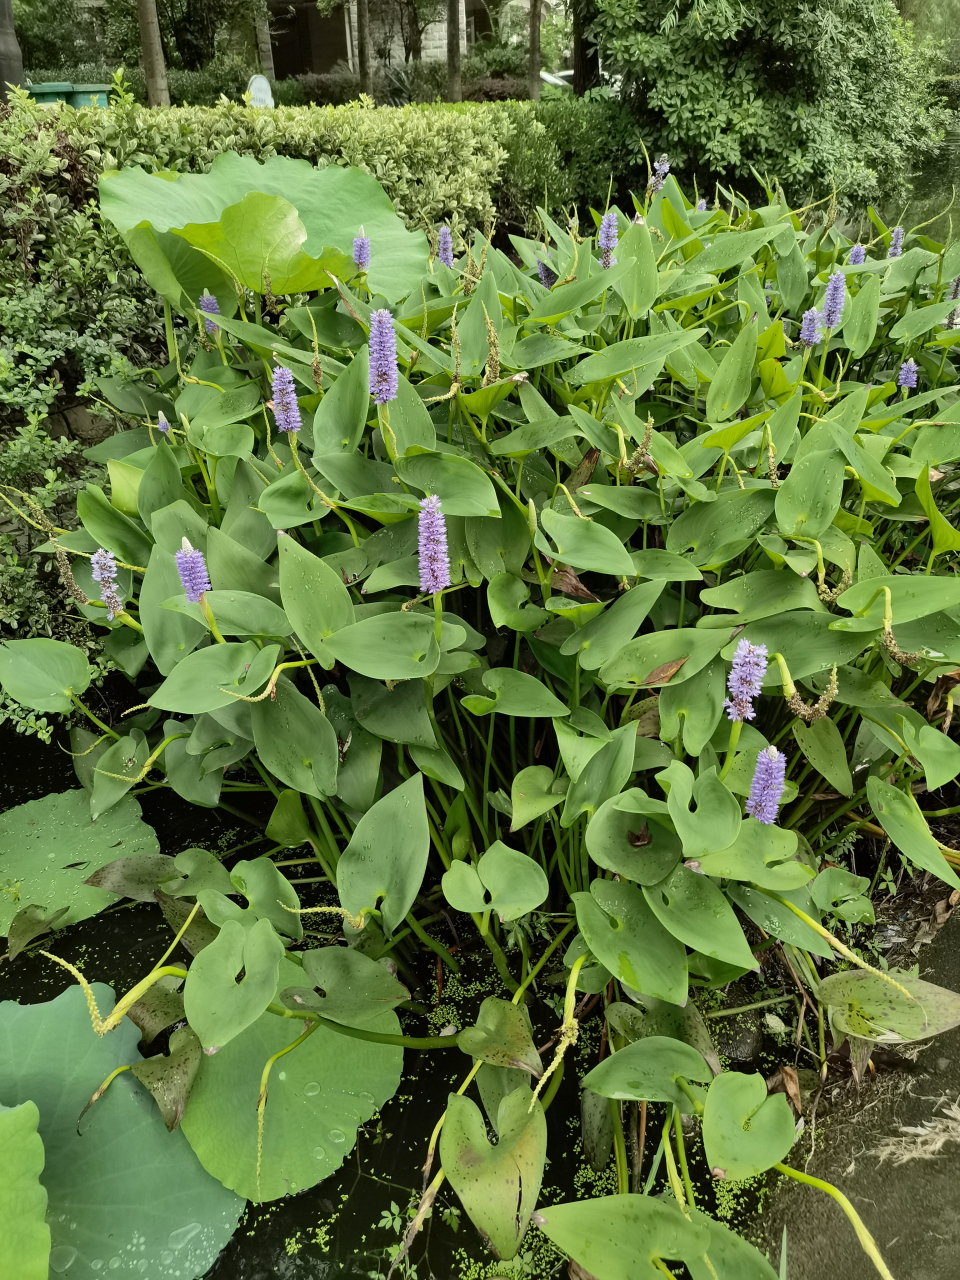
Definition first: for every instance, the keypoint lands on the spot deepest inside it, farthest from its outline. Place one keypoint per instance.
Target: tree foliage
(819, 95)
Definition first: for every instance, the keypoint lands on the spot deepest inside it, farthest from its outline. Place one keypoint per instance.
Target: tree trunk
(533, 64)
(154, 69)
(454, 80)
(363, 45)
(264, 47)
(586, 61)
(11, 63)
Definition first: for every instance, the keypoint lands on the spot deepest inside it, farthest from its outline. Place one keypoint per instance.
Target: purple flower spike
(767, 786)
(607, 238)
(896, 243)
(211, 307)
(907, 377)
(745, 680)
(384, 378)
(285, 407)
(162, 424)
(661, 168)
(103, 570)
(858, 255)
(434, 559)
(810, 331)
(546, 275)
(361, 251)
(445, 247)
(701, 206)
(193, 572)
(833, 299)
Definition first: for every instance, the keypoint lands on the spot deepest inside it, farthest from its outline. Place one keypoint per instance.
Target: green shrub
(835, 97)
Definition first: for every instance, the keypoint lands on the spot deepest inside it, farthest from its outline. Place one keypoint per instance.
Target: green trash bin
(51, 91)
(89, 95)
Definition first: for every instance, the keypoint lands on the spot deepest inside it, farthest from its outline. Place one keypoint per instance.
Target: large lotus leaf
(49, 847)
(623, 1237)
(692, 908)
(647, 1070)
(259, 241)
(126, 1192)
(42, 674)
(497, 1185)
(628, 939)
(329, 203)
(25, 1240)
(862, 1004)
(318, 1096)
(745, 1130)
(384, 863)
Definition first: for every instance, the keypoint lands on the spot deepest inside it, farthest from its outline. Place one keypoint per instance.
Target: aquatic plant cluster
(592, 596)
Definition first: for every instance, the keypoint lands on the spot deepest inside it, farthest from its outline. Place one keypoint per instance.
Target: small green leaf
(504, 880)
(730, 386)
(390, 646)
(625, 1237)
(901, 819)
(296, 741)
(498, 1186)
(384, 863)
(42, 674)
(762, 855)
(210, 678)
(584, 544)
(218, 1007)
(823, 746)
(647, 1071)
(693, 909)
(626, 937)
(502, 1037)
(533, 793)
(745, 1130)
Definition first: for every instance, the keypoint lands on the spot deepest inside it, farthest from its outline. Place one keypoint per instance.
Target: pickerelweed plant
(622, 601)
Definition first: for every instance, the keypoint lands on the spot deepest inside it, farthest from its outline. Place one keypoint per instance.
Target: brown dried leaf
(944, 684)
(785, 1080)
(567, 583)
(646, 712)
(664, 674)
(584, 470)
(639, 838)
(170, 1077)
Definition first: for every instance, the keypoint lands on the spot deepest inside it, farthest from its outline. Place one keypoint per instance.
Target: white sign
(261, 95)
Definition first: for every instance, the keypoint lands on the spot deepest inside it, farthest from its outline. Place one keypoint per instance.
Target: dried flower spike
(767, 786)
(193, 572)
(607, 239)
(810, 331)
(361, 251)
(285, 407)
(745, 680)
(858, 255)
(432, 548)
(907, 377)
(832, 313)
(445, 247)
(210, 307)
(384, 377)
(896, 243)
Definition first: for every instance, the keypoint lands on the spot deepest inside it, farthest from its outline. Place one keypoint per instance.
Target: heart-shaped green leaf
(745, 1130)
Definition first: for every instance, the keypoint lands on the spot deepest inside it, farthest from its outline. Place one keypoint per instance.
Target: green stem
(682, 1156)
(89, 714)
(619, 1148)
(433, 944)
(867, 1241)
(423, 1043)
